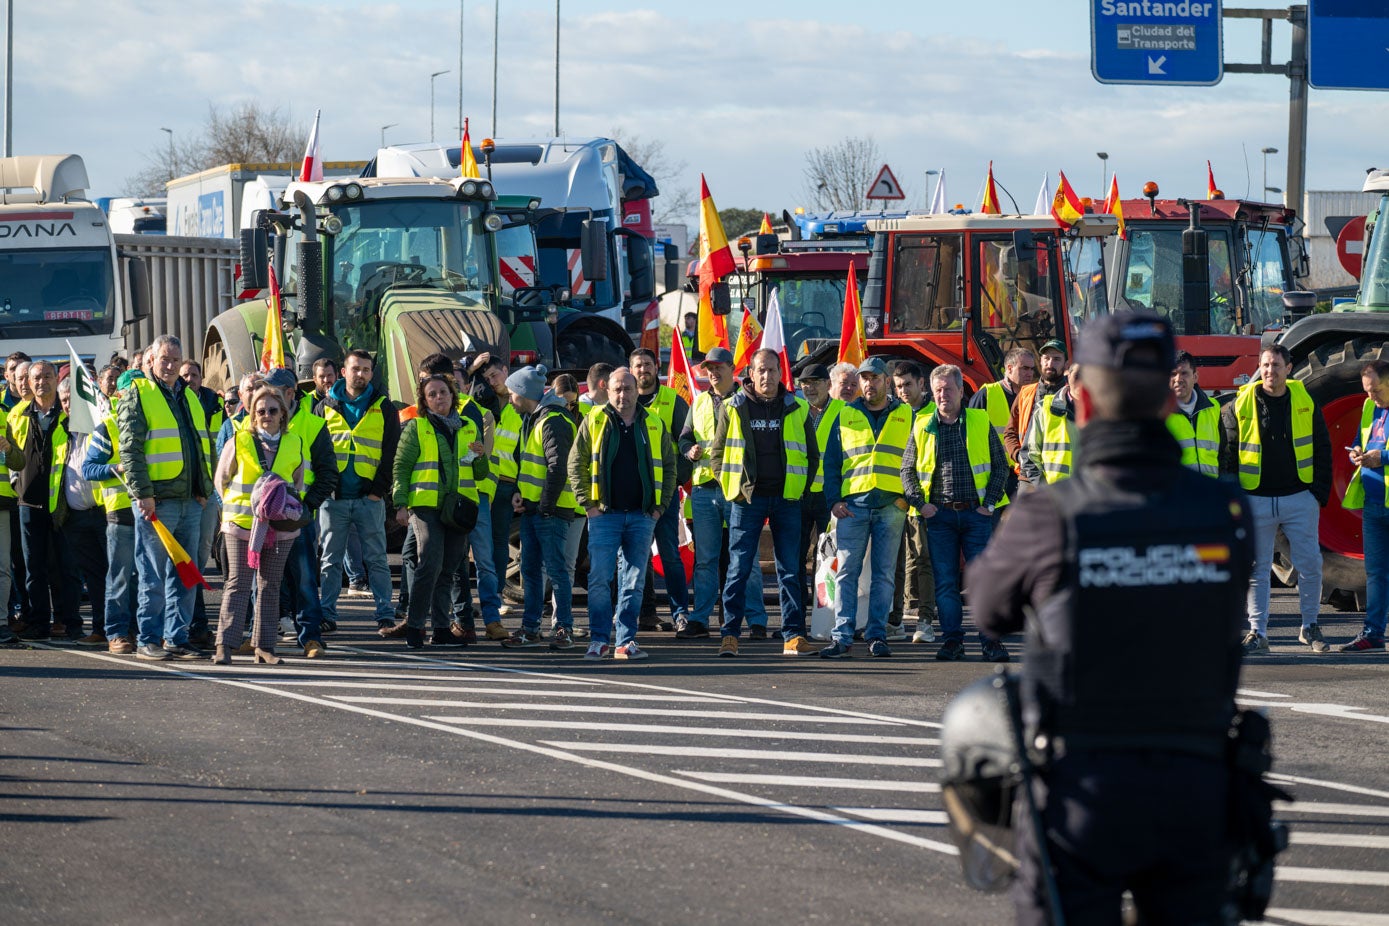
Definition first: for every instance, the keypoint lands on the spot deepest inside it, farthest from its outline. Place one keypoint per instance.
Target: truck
(135, 216)
(219, 202)
(593, 231)
(62, 277)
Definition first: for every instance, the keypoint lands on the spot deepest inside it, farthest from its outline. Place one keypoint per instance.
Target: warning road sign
(885, 186)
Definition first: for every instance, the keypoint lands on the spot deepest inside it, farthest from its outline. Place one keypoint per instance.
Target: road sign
(1153, 42)
(1350, 246)
(1348, 44)
(885, 186)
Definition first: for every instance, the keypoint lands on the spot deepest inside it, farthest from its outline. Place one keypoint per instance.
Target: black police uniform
(1136, 569)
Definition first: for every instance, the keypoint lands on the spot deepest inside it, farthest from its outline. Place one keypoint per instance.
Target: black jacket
(1321, 452)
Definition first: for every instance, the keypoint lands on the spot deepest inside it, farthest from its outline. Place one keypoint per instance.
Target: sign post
(1142, 42)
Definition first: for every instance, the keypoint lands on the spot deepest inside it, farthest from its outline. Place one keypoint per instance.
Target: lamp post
(1274, 190)
(929, 175)
(431, 100)
(1104, 172)
(383, 132)
(171, 150)
(1266, 152)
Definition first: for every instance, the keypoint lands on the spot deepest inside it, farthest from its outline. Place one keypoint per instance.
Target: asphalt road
(493, 786)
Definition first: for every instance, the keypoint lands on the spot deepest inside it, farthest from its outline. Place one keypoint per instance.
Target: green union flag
(87, 403)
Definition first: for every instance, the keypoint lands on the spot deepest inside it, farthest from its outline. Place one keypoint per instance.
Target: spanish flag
(273, 354)
(749, 340)
(1113, 206)
(1212, 191)
(188, 572)
(467, 161)
(853, 345)
(715, 263)
(1065, 205)
(766, 227)
(679, 376)
(990, 205)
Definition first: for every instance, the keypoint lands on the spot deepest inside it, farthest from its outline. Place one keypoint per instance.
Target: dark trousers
(1151, 823)
(409, 558)
(19, 592)
(52, 579)
(440, 550)
(815, 520)
(85, 532)
(501, 530)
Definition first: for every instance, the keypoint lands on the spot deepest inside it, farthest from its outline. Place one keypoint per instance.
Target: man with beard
(1021, 439)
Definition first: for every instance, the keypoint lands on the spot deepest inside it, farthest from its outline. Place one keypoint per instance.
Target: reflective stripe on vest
(1355, 490)
(1250, 450)
(6, 490)
(56, 460)
(868, 463)
(1058, 434)
(289, 456)
(487, 486)
(977, 425)
(163, 449)
(1200, 444)
(996, 402)
(828, 419)
(307, 426)
(733, 474)
(114, 496)
(530, 477)
(427, 475)
(663, 405)
(506, 438)
(362, 443)
(598, 427)
(704, 421)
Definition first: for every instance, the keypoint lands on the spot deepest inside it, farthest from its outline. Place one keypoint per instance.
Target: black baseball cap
(814, 371)
(1128, 341)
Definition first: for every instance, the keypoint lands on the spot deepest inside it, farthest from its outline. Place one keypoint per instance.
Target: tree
(740, 221)
(247, 133)
(676, 203)
(837, 176)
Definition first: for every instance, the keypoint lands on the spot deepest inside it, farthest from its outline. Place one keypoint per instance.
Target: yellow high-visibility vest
(289, 456)
(599, 425)
(362, 443)
(530, 478)
(427, 476)
(1355, 491)
(871, 463)
(828, 419)
(1200, 444)
(996, 401)
(6, 490)
(1057, 437)
(163, 449)
(307, 426)
(114, 496)
(1250, 449)
(733, 474)
(977, 426)
(704, 424)
(506, 438)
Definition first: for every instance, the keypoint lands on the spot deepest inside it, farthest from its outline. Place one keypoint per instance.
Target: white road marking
(1334, 785)
(560, 707)
(1322, 918)
(808, 813)
(1332, 876)
(804, 781)
(1348, 840)
(1251, 693)
(691, 731)
(710, 752)
(1336, 810)
(465, 689)
(287, 676)
(1340, 711)
(894, 814)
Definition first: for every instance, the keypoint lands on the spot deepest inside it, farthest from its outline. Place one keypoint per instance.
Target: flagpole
(461, 4)
(496, 23)
(557, 68)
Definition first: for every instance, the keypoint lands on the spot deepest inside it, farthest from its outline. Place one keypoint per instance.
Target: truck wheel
(1331, 374)
(511, 582)
(579, 350)
(217, 374)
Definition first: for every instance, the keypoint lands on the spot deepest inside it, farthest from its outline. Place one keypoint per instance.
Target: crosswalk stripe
(1349, 840)
(560, 707)
(464, 689)
(709, 752)
(805, 781)
(1332, 876)
(1334, 785)
(894, 814)
(691, 731)
(1315, 807)
(286, 676)
(1322, 918)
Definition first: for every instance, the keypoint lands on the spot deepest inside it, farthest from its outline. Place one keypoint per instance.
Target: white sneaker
(629, 651)
(924, 633)
(287, 630)
(896, 632)
(598, 651)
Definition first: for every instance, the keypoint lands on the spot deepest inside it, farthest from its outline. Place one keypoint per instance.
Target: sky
(738, 91)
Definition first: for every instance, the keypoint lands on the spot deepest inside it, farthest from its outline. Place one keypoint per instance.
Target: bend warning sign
(885, 186)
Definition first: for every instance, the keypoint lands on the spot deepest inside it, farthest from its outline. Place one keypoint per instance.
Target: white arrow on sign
(1155, 67)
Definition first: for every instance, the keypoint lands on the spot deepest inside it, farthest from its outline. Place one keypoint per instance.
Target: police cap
(1128, 341)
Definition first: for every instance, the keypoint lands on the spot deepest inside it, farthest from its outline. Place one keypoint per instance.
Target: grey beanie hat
(528, 382)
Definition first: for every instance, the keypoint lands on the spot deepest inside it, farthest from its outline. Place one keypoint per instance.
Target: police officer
(1129, 723)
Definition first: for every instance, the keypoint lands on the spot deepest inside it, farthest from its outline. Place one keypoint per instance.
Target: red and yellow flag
(273, 354)
(1212, 191)
(1113, 206)
(853, 345)
(679, 376)
(467, 161)
(766, 227)
(990, 204)
(188, 572)
(1065, 205)
(715, 263)
(749, 340)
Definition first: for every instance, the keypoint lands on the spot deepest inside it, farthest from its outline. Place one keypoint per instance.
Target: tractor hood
(418, 322)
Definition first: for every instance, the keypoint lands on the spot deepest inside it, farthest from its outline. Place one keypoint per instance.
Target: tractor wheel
(217, 374)
(1331, 374)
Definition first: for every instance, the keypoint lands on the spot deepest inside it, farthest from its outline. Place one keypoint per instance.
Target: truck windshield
(811, 306)
(396, 243)
(53, 292)
(1085, 268)
(1153, 277)
(1017, 298)
(1374, 278)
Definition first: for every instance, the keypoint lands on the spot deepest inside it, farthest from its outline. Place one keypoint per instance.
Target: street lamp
(1266, 152)
(383, 132)
(431, 101)
(1275, 190)
(929, 175)
(171, 150)
(1104, 172)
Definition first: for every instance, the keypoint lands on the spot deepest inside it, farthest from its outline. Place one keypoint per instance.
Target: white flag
(1043, 206)
(774, 338)
(88, 405)
(938, 206)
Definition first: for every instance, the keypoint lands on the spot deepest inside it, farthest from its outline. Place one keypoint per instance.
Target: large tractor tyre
(581, 348)
(217, 372)
(1331, 374)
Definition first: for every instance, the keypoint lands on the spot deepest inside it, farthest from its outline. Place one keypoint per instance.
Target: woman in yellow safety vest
(263, 445)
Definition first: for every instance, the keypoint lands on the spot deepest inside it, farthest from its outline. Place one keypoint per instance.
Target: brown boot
(268, 657)
(395, 632)
(223, 656)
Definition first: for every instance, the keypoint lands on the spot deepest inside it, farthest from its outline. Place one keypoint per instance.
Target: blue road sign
(1348, 44)
(1155, 42)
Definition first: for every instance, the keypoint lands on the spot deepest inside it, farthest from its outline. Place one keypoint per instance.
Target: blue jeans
(120, 580)
(572, 540)
(1376, 533)
(668, 545)
(352, 559)
(300, 591)
(619, 543)
(340, 518)
(489, 589)
(710, 513)
(745, 523)
(948, 534)
(851, 535)
(165, 607)
(542, 553)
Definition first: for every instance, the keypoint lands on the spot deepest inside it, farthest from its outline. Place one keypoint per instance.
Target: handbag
(458, 512)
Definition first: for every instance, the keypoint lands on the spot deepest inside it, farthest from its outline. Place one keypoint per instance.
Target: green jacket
(408, 454)
(193, 481)
(581, 461)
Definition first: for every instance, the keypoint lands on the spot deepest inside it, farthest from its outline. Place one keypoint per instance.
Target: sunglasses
(267, 413)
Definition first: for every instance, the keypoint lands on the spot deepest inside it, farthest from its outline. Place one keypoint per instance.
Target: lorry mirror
(641, 267)
(1298, 304)
(255, 258)
(1024, 244)
(137, 283)
(593, 245)
(720, 299)
(766, 244)
(670, 252)
(671, 282)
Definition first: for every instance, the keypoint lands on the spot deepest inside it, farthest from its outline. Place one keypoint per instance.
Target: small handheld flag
(88, 405)
(749, 340)
(774, 339)
(188, 572)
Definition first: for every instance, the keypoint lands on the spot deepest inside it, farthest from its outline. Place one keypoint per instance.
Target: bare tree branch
(837, 176)
(676, 203)
(244, 134)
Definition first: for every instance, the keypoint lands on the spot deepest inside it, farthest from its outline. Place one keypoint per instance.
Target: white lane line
(1251, 693)
(1339, 711)
(804, 781)
(709, 752)
(1335, 810)
(1334, 785)
(560, 707)
(809, 813)
(1332, 876)
(1348, 840)
(1323, 917)
(691, 731)
(288, 675)
(894, 814)
(466, 689)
